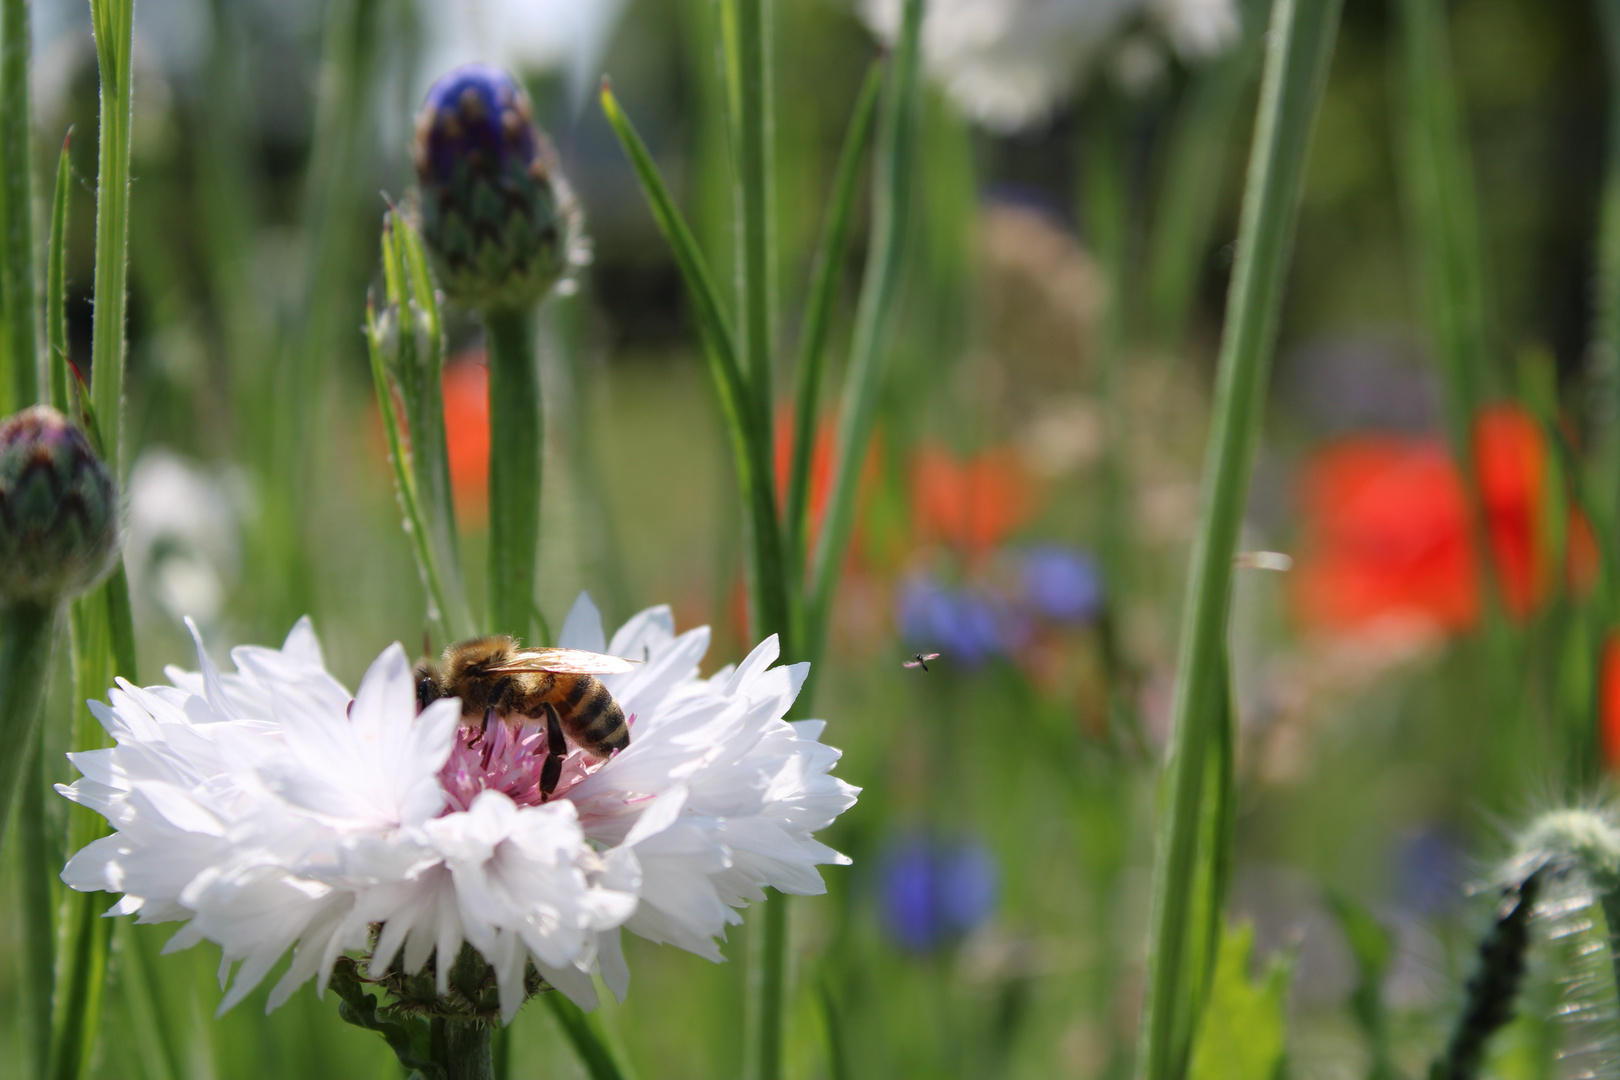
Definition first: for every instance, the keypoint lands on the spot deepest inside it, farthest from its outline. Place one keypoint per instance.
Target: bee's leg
(497, 696)
(556, 750)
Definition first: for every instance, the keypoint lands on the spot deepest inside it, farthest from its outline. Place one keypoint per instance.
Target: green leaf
(407, 1037)
(1243, 1034)
(61, 382)
(1374, 950)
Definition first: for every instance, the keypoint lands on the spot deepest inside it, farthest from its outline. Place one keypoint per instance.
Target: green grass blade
(1300, 47)
(585, 1035)
(1443, 218)
(1603, 408)
(148, 1007)
(41, 863)
(749, 443)
(825, 274)
(17, 241)
(837, 1041)
(27, 633)
(114, 24)
(891, 193)
(748, 53)
(56, 283)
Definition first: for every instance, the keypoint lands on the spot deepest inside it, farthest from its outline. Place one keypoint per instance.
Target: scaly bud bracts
(496, 212)
(58, 508)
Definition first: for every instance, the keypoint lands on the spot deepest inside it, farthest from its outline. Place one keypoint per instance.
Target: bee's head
(427, 684)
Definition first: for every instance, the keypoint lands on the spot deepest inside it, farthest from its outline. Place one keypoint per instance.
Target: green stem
(756, 200)
(40, 864)
(467, 1052)
(767, 980)
(891, 191)
(825, 275)
(114, 26)
(16, 159)
(517, 433)
(56, 283)
(27, 633)
(584, 1034)
(1300, 46)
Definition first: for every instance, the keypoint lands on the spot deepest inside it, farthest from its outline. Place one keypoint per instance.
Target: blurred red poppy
(1510, 454)
(1386, 535)
(1609, 703)
(822, 456)
(1387, 529)
(973, 504)
(466, 429)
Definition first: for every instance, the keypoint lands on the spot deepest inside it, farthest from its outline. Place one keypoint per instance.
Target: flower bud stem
(22, 352)
(27, 633)
(467, 1054)
(517, 438)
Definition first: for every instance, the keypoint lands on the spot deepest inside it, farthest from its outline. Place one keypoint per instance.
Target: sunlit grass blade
(585, 1035)
(1190, 190)
(17, 239)
(891, 196)
(56, 283)
(827, 271)
(405, 484)
(1443, 218)
(418, 343)
(1299, 51)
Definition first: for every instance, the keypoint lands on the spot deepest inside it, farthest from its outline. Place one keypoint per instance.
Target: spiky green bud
(58, 508)
(496, 212)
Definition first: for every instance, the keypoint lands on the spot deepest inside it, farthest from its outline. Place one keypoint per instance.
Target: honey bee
(557, 687)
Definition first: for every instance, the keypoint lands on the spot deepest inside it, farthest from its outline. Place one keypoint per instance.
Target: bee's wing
(567, 661)
(911, 663)
(931, 656)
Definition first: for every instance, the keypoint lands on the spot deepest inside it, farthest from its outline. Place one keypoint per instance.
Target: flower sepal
(474, 994)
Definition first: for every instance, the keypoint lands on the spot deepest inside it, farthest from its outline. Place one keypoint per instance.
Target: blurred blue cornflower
(1063, 584)
(969, 625)
(932, 891)
(1430, 870)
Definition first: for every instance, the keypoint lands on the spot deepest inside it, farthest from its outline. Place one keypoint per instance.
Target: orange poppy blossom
(464, 386)
(1387, 531)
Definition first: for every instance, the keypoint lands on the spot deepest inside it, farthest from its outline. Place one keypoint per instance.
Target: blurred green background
(1375, 765)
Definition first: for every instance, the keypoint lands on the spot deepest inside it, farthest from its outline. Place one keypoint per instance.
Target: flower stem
(56, 283)
(27, 634)
(467, 1052)
(767, 985)
(17, 271)
(517, 435)
(1300, 46)
(40, 865)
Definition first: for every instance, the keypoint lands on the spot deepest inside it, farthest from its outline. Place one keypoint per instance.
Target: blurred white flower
(1007, 64)
(270, 811)
(183, 543)
(568, 36)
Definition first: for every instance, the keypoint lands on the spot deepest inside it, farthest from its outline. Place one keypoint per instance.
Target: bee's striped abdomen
(589, 713)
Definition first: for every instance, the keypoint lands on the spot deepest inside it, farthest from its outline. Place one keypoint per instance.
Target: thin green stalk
(17, 251)
(584, 1034)
(1443, 217)
(114, 22)
(1189, 195)
(27, 633)
(891, 191)
(827, 271)
(56, 282)
(517, 428)
(1604, 402)
(148, 1006)
(749, 56)
(1299, 50)
(40, 866)
(767, 986)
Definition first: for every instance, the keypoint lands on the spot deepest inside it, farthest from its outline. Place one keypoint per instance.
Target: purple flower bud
(58, 508)
(496, 212)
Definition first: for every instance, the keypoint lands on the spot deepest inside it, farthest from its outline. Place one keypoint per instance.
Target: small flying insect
(921, 660)
(557, 687)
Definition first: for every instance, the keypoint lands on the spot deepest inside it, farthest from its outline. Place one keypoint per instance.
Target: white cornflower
(1007, 64)
(269, 810)
(182, 544)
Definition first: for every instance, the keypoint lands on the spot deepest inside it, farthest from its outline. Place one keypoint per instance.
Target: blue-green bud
(58, 508)
(496, 212)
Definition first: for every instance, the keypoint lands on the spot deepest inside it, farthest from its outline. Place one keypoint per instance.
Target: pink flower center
(509, 759)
